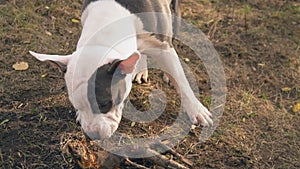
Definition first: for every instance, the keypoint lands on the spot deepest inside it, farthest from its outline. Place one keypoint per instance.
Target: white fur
(79, 71)
(101, 42)
(169, 62)
(106, 23)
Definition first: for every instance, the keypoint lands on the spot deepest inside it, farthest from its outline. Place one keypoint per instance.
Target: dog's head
(97, 87)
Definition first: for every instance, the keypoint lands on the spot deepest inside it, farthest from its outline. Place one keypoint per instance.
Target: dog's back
(152, 22)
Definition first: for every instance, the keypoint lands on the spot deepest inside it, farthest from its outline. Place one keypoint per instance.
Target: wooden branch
(164, 161)
(173, 152)
(89, 155)
(135, 164)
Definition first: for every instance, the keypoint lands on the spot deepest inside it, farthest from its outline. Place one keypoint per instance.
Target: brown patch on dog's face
(106, 88)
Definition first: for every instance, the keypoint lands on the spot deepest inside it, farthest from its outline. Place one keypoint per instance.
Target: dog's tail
(175, 6)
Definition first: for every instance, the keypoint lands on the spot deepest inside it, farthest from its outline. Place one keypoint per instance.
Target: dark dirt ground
(258, 42)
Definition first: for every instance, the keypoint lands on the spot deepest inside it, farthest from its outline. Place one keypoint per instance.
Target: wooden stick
(164, 161)
(86, 157)
(181, 157)
(135, 164)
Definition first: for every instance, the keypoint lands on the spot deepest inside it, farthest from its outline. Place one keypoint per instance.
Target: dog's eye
(105, 106)
(106, 103)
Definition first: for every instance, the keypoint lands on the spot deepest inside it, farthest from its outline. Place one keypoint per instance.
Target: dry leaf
(21, 66)
(44, 75)
(286, 89)
(132, 124)
(244, 119)
(75, 20)
(186, 59)
(296, 108)
(48, 33)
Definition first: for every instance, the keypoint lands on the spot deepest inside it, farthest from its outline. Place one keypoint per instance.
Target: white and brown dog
(112, 51)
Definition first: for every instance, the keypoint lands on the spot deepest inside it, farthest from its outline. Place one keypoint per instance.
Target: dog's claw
(199, 115)
(141, 77)
(166, 78)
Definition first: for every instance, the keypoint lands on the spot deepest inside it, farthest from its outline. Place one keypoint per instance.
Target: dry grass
(258, 43)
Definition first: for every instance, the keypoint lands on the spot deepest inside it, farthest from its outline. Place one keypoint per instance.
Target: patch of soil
(257, 41)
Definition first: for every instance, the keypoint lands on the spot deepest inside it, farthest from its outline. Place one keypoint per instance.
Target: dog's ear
(114, 66)
(60, 66)
(59, 61)
(126, 66)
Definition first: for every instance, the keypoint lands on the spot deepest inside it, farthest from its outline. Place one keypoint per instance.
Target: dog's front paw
(198, 114)
(141, 77)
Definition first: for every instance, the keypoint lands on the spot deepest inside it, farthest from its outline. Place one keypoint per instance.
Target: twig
(1, 156)
(135, 164)
(183, 159)
(164, 161)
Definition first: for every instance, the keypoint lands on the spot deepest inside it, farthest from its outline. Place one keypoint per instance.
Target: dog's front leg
(141, 71)
(168, 60)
